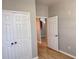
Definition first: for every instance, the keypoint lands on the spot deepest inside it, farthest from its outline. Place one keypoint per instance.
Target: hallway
(47, 53)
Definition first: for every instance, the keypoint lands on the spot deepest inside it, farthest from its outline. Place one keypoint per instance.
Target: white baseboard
(67, 54)
(35, 57)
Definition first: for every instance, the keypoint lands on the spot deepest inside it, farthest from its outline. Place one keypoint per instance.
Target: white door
(16, 42)
(52, 32)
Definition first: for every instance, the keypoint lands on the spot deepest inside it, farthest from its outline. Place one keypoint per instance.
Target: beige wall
(65, 10)
(41, 10)
(24, 5)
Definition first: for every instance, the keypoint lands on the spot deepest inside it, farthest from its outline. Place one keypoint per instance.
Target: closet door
(22, 36)
(7, 36)
(16, 35)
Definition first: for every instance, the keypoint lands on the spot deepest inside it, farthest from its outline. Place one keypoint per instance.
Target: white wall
(24, 5)
(65, 10)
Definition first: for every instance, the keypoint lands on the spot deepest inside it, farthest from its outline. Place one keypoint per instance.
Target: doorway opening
(47, 38)
(41, 27)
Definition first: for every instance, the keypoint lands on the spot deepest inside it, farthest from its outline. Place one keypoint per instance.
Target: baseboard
(67, 54)
(35, 57)
(64, 53)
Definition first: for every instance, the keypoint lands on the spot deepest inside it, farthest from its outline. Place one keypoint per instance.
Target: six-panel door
(16, 35)
(52, 32)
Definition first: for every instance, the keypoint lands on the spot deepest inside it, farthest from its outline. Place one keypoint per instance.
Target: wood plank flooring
(45, 53)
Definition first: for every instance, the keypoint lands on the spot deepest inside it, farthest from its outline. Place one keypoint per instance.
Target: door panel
(7, 37)
(22, 29)
(52, 31)
(16, 43)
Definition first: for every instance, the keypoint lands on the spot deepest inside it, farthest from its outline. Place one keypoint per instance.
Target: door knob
(56, 35)
(12, 43)
(15, 42)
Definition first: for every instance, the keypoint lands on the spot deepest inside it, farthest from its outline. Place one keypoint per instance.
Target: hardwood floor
(45, 53)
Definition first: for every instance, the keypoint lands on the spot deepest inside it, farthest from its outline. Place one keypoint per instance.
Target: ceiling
(47, 2)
